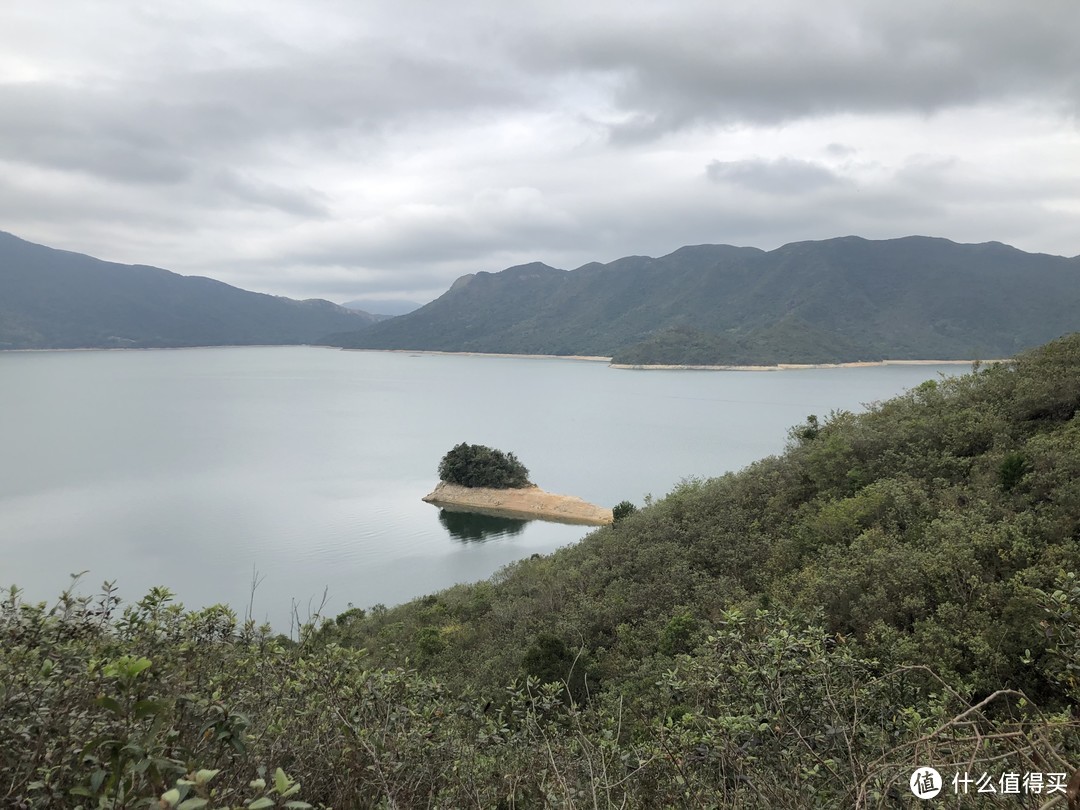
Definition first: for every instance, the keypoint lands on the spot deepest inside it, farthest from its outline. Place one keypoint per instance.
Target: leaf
(137, 666)
(192, 804)
(205, 775)
(171, 797)
(145, 708)
(298, 805)
(112, 704)
(281, 781)
(261, 804)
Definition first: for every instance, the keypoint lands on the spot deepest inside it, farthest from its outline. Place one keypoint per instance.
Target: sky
(347, 148)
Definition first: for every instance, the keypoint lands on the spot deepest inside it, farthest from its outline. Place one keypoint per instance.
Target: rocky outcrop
(527, 502)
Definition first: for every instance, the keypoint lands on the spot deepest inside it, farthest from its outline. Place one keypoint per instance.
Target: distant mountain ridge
(836, 300)
(56, 299)
(382, 308)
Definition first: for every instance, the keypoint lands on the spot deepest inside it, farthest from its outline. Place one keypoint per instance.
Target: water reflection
(472, 527)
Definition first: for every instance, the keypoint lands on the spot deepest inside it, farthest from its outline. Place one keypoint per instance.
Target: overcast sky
(340, 148)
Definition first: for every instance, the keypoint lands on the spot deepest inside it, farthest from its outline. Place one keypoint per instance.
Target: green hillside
(838, 300)
(898, 589)
(55, 299)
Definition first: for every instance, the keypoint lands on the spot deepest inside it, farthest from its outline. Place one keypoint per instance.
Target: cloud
(840, 150)
(743, 62)
(780, 176)
(58, 127)
(298, 202)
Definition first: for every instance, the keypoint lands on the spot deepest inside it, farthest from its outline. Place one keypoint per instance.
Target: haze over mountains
(55, 299)
(837, 300)
(383, 307)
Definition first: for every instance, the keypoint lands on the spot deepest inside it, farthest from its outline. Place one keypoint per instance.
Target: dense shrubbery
(112, 709)
(898, 589)
(474, 465)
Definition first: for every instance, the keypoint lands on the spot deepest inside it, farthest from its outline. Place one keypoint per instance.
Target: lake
(199, 469)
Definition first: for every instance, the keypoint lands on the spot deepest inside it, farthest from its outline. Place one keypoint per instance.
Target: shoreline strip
(805, 366)
(577, 357)
(679, 367)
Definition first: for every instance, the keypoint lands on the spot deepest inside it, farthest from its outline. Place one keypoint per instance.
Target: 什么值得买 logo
(925, 783)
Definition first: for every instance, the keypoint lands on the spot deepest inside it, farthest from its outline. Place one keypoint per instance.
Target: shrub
(677, 636)
(623, 509)
(550, 660)
(1013, 468)
(474, 465)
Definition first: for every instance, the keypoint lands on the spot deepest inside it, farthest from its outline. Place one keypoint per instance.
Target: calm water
(195, 468)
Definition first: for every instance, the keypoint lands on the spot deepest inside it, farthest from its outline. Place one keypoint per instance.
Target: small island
(475, 478)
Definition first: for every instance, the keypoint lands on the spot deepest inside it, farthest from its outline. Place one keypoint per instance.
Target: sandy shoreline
(675, 367)
(528, 502)
(434, 353)
(804, 366)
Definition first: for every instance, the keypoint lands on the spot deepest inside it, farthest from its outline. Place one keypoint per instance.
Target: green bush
(622, 509)
(1013, 468)
(549, 660)
(474, 465)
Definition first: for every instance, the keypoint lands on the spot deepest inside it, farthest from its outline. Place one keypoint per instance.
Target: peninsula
(527, 502)
(475, 478)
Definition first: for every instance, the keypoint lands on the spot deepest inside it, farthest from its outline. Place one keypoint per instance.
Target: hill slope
(919, 528)
(898, 590)
(838, 300)
(55, 299)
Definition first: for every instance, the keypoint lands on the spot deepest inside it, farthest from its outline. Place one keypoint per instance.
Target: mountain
(389, 308)
(55, 299)
(837, 300)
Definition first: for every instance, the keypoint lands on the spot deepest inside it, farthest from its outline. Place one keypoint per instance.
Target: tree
(623, 509)
(474, 465)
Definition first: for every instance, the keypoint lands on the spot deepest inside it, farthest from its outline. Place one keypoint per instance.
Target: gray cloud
(777, 62)
(298, 202)
(781, 176)
(840, 150)
(63, 128)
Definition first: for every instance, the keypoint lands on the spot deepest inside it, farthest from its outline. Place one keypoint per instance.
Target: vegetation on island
(898, 589)
(830, 301)
(475, 465)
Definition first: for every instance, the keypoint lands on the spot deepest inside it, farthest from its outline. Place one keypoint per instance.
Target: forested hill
(919, 528)
(55, 299)
(898, 590)
(837, 300)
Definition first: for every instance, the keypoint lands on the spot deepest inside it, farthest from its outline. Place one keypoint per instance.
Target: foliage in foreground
(103, 708)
